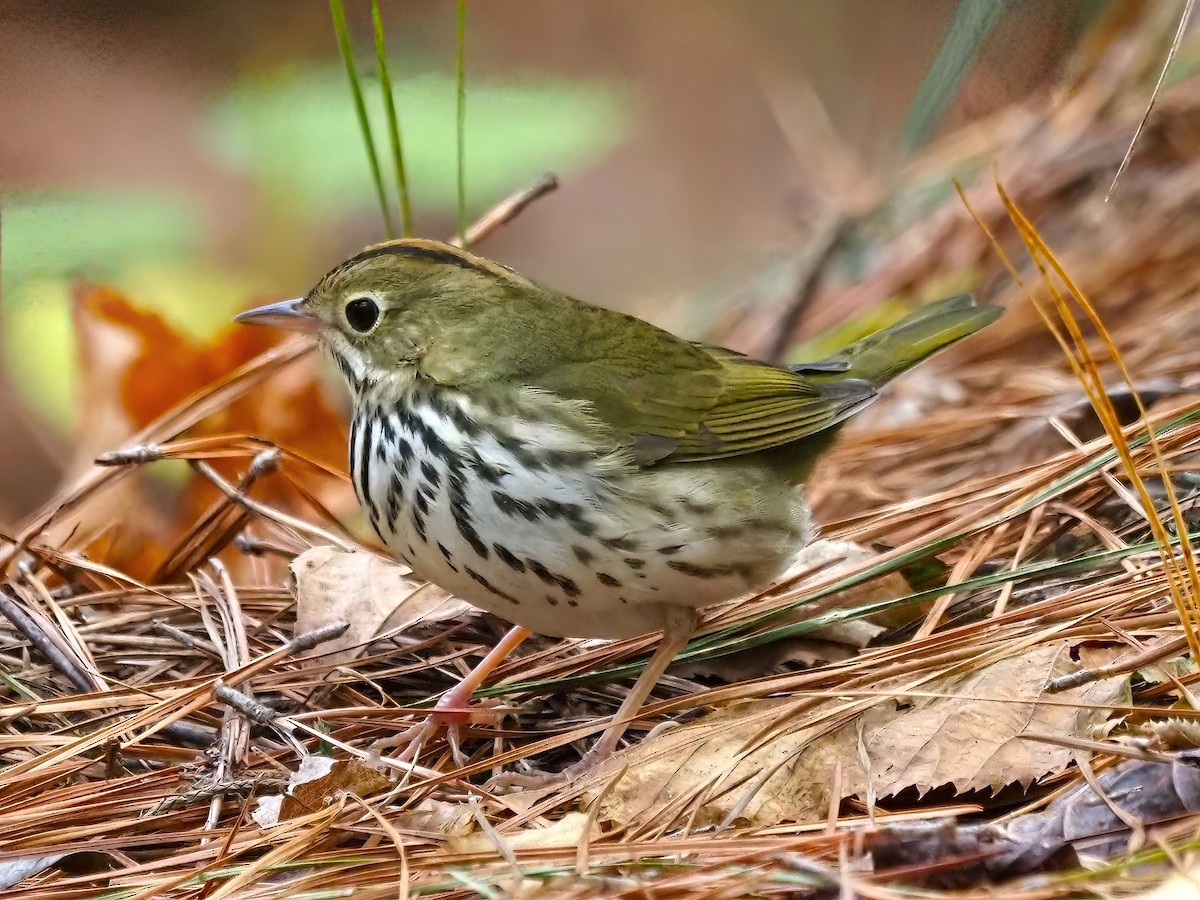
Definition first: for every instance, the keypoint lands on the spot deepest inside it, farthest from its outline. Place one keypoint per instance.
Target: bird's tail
(880, 357)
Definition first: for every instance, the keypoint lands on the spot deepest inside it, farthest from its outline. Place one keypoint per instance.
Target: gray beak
(287, 314)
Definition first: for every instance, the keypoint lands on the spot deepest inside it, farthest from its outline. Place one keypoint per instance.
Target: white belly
(580, 547)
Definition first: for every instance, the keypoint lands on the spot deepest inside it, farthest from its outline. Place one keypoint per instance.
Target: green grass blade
(972, 23)
(460, 40)
(347, 50)
(393, 121)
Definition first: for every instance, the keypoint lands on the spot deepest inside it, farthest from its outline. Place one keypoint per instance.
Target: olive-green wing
(655, 394)
(763, 406)
(691, 403)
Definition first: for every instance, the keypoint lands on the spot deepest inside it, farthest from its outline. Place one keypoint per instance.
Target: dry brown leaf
(829, 558)
(316, 781)
(134, 367)
(347, 775)
(372, 594)
(972, 744)
(928, 742)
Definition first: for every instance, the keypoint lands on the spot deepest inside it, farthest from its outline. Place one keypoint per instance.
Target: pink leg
(681, 624)
(454, 701)
(675, 637)
(452, 710)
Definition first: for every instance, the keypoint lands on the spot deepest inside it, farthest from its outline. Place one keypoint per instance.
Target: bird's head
(390, 305)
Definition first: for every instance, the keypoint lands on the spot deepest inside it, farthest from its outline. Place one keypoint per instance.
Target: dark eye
(362, 314)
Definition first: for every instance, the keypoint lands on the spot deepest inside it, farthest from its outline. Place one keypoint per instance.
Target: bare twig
(506, 210)
(252, 709)
(297, 525)
(12, 609)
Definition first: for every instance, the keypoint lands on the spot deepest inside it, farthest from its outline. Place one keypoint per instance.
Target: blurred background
(198, 158)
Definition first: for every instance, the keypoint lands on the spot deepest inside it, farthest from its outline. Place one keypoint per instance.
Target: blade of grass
(460, 40)
(393, 121)
(360, 108)
(972, 23)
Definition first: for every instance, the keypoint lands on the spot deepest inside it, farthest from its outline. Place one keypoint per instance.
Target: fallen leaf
(973, 744)
(895, 744)
(825, 559)
(344, 776)
(133, 368)
(820, 560)
(316, 781)
(373, 595)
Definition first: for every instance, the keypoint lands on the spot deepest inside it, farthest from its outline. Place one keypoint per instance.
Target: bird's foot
(451, 713)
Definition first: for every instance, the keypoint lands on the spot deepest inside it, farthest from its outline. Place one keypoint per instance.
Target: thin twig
(254, 710)
(12, 609)
(1129, 663)
(269, 513)
(506, 210)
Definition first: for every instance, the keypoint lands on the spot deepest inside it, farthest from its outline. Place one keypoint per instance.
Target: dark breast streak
(527, 530)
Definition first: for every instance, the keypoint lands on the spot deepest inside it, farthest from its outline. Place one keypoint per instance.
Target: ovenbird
(572, 469)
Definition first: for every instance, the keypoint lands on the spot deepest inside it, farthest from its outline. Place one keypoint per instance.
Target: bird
(575, 470)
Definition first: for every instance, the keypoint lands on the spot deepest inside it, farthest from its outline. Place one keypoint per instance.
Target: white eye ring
(362, 312)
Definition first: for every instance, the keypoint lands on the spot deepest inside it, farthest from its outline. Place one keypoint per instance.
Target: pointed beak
(287, 314)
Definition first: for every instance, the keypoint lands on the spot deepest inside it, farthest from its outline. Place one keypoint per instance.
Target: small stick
(253, 546)
(505, 211)
(127, 456)
(302, 643)
(1125, 664)
(273, 515)
(254, 710)
(219, 524)
(1128, 751)
(182, 637)
(258, 711)
(11, 609)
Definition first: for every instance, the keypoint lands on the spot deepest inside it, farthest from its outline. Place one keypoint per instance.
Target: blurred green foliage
(49, 240)
(52, 234)
(294, 133)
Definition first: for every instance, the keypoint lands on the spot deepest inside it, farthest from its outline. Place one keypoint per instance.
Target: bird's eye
(362, 313)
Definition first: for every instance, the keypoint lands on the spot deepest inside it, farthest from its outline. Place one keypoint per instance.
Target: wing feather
(758, 407)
